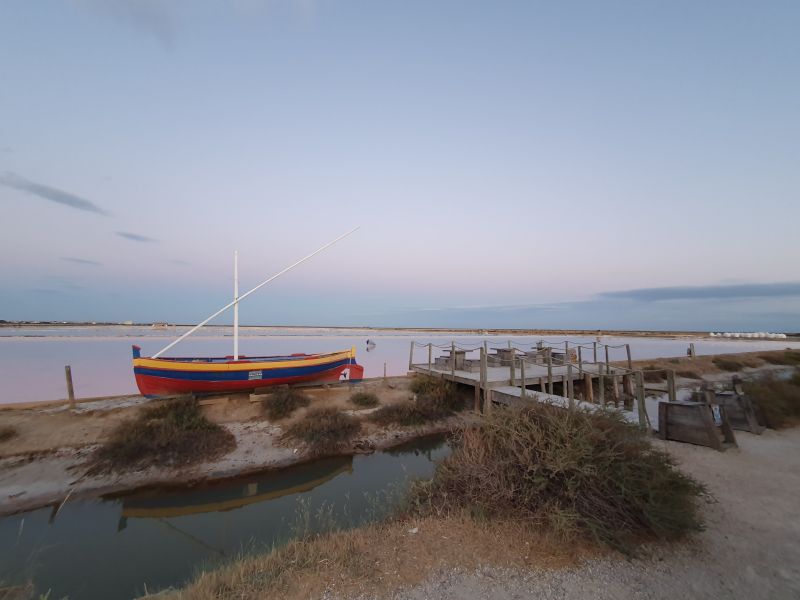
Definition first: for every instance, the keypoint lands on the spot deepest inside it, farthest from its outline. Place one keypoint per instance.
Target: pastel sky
(523, 164)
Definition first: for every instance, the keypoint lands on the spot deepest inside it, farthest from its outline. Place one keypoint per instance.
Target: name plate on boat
(255, 375)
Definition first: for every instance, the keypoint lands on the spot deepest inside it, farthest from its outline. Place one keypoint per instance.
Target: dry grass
(688, 374)
(364, 399)
(283, 402)
(376, 559)
(579, 473)
(787, 357)
(435, 399)
(778, 400)
(173, 432)
(653, 374)
(7, 432)
(733, 364)
(324, 430)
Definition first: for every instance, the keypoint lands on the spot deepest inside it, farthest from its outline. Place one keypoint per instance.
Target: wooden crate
(741, 412)
(695, 423)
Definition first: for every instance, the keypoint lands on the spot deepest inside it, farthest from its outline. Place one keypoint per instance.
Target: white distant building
(759, 335)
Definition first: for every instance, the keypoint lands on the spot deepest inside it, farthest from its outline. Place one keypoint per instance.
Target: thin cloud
(41, 190)
(151, 17)
(709, 292)
(135, 237)
(81, 261)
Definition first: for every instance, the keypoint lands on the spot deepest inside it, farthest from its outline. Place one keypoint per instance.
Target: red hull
(163, 386)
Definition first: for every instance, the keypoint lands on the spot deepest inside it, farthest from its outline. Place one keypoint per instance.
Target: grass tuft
(324, 429)
(788, 357)
(733, 364)
(653, 374)
(778, 399)
(578, 472)
(437, 394)
(7, 432)
(283, 402)
(364, 399)
(173, 432)
(688, 374)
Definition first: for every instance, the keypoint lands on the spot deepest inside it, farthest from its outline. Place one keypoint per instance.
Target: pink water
(32, 368)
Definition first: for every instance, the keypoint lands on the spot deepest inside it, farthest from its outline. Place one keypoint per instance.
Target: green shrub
(364, 399)
(578, 472)
(283, 402)
(173, 432)
(778, 399)
(324, 429)
(7, 432)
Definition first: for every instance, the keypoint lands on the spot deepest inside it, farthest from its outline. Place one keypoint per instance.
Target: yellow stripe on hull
(176, 365)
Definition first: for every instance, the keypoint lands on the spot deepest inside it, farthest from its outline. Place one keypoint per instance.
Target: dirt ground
(47, 461)
(749, 550)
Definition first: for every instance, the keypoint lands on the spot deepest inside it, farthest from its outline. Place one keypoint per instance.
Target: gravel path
(750, 549)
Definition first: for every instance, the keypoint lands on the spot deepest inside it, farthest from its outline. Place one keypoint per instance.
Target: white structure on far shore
(761, 335)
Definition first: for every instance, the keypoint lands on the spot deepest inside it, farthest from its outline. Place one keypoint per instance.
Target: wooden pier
(543, 372)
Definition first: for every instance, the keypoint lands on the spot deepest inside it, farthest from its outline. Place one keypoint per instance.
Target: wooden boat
(190, 375)
(156, 376)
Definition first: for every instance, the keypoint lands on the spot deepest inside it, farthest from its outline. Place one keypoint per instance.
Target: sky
(510, 164)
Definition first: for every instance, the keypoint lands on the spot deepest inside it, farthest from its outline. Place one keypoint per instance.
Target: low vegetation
(733, 364)
(576, 472)
(435, 399)
(364, 399)
(437, 393)
(171, 433)
(688, 374)
(7, 432)
(777, 399)
(789, 357)
(653, 374)
(283, 402)
(324, 429)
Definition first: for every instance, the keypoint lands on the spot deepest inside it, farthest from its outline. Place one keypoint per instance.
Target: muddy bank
(48, 462)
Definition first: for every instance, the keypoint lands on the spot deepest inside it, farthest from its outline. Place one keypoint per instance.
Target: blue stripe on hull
(267, 374)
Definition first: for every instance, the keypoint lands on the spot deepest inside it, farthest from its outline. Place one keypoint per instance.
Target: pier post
(671, 394)
(614, 390)
(522, 374)
(430, 357)
(691, 350)
(384, 372)
(70, 389)
(453, 360)
(566, 352)
(608, 369)
(601, 386)
(594, 351)
(549, 371)
(580, 361)
(484, 376)
(542, 387)
(640, 399)
(512, 367)
(627, 388)
(411, 356)
(628, 352)
(570, 386)
(588, 390)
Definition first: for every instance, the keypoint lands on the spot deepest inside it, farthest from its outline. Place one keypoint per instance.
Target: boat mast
(235, 305)
(246, 294)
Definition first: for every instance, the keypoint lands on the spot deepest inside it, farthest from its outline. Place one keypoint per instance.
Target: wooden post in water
(549, 371)
(594, 352)
(608, 369)
(628, 352)
(691, 350)
(70, 389)
(384, 372)
(671, 393)
(640, 399)
(430, 357)
(411, 356)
